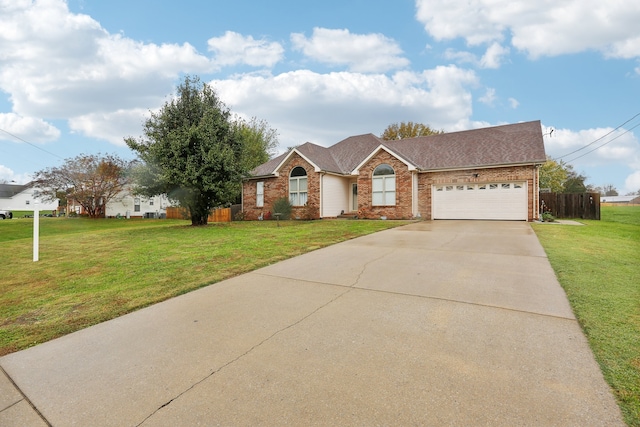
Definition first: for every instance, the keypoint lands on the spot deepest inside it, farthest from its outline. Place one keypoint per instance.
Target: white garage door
(500, 201)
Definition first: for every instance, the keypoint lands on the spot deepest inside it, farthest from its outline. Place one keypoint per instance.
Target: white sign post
(36, 231)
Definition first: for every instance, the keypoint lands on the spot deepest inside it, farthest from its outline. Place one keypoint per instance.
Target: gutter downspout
(536, 195)
(321, 212)
(414, 194)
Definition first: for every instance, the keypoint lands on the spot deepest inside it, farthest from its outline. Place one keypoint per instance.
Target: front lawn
(94, 270)
(598, 265)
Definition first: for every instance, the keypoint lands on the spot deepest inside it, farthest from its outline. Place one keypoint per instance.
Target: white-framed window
(150, 202)
(27, 202)
(136, 204)
(260, 194)
(383, 186)
(298, 186)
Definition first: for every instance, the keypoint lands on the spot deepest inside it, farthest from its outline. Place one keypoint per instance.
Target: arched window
(298, 186)
(383, 187)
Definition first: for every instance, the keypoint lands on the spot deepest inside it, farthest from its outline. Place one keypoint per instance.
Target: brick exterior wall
(402, 208)
(278, 187)
(528, 174)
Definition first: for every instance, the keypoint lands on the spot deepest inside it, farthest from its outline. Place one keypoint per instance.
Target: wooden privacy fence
(217, 215)
(580, 205)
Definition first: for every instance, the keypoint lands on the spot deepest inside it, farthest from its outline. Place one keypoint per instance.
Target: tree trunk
(198, 221)
(199, 216)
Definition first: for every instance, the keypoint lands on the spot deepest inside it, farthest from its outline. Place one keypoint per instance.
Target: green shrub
(548, 217)
(283, 207)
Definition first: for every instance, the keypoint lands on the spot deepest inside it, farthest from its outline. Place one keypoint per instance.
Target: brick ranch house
(489, 173)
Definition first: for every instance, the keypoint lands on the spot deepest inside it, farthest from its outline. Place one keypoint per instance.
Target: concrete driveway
(434, 323)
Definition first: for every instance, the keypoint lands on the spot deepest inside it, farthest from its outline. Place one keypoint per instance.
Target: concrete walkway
(434, 323)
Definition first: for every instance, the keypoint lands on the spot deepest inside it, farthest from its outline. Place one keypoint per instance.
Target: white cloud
(494, 55)
(632, 183)
(30, 129)
(541, 28)
(112, 126)
(359, 52)
(325, 108)
(617, 147)
(461, 57)
(492, 58)
(489, 97)
(8, 175)
(513, 103)
(233, 48)
(68, 66)
(618, 155)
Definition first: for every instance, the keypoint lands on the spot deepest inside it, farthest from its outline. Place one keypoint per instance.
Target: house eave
(472, 167)
(267, 176)
(341, 175)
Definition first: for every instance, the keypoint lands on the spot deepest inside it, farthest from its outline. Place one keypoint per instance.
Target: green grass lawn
(598, 265)
(94, 270)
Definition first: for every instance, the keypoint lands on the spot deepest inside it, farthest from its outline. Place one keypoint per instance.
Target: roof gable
(315, 155)
(382, 147)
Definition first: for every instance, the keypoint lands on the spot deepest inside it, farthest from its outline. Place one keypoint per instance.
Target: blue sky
(78, 76)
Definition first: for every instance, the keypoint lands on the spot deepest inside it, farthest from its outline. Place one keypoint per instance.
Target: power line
(33, 145)
(602, 145)
(602, 137)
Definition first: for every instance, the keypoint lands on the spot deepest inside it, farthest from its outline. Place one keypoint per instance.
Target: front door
(354, 197)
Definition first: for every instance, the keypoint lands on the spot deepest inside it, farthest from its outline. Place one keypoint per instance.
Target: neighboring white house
(21, 198)
(127, 205)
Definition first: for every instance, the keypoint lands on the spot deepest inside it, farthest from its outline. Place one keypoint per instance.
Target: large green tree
(404, 130)
(260, 142)
(561, 177)
(553, 174)
(191, 150)
(90, 180)
(575, 183)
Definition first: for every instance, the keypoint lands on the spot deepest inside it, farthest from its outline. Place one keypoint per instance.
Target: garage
(494, 201)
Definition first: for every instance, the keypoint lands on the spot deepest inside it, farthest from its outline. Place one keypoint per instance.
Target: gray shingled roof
(320, 156)
(350, 152)
(269, 167)
(10, 190)
(499, 145)
(519, 143)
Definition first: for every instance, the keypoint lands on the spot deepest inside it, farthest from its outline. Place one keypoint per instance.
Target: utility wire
(33, 145)
(603, 136)
(601, 145)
